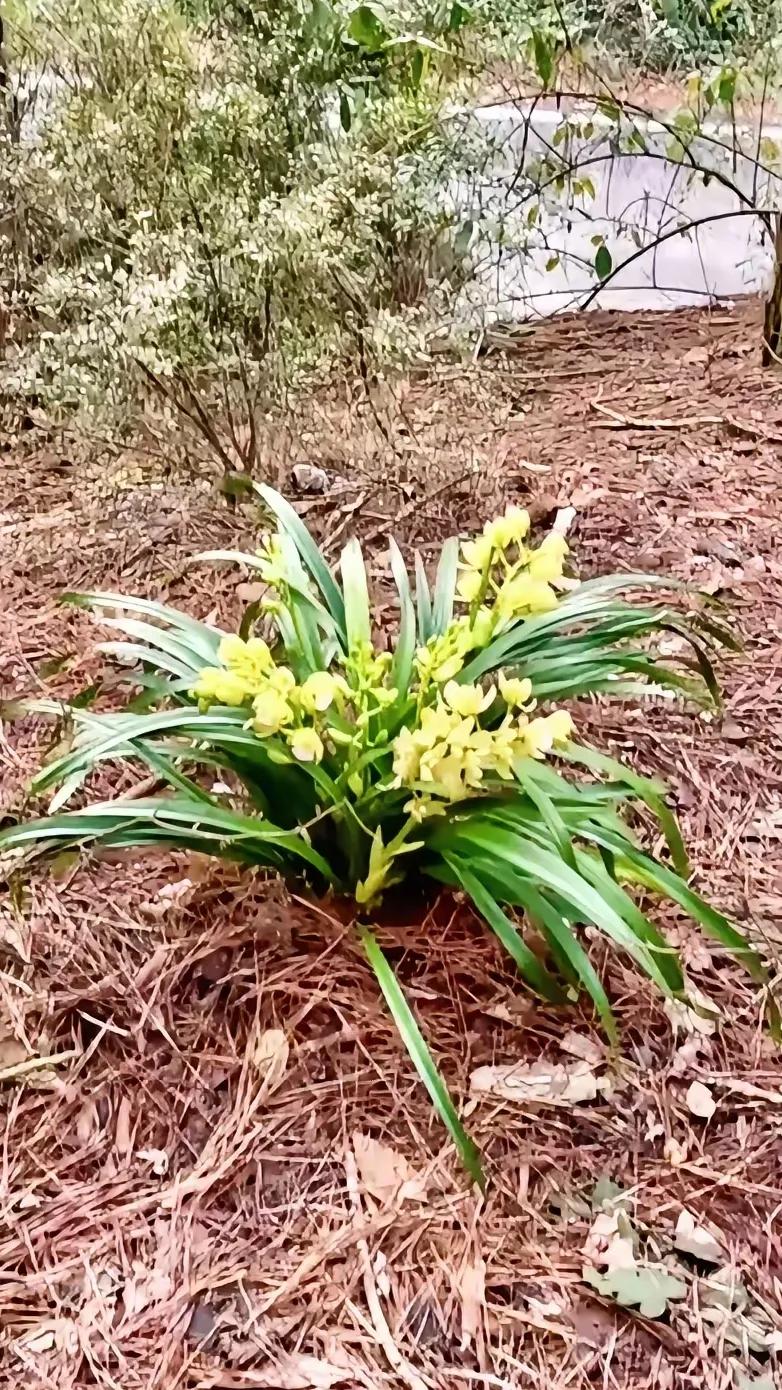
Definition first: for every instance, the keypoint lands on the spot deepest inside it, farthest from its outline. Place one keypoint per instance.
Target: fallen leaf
(674, 1152)
(606, 1194)
(583, 1047)
(647, 1288)
(610, 1242)
(472, 1290)
(60, 1334)
(686, 1056)
(143, 1288)
(700, 1100)
(171, 897)
(122, 1142)
(543, 1083)
(251, 592)
(564, 520)
(740, 1331)
(734, 732)
(593, 1324)
(384, 1173)
(203, 1322)
(696, 1240)
(750, 1090)
(15, 939)
(271, 1056)
(569, 1206)
(688, 1020)
(723, 1290)
(12, 1052)
(41, 1339)
(156, 1158)
(695, 356)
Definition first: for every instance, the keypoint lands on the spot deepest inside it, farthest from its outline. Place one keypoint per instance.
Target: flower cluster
(502, 579)
(276, 704)
(451, 739)
(450, 752)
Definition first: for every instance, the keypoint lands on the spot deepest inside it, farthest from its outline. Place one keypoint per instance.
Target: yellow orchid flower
(477, 553)
(448, 774)
(560, 722)
(306, 745)
(271, 712)
(282, 680)
(407, 757)
(429, 761)
(516, 693)
(547, 561)
(468, 585)
(540, 735)
(525, 595)
(421, 808)
(251, 660)
(437, 724)
(320, 690)
(502, 750)
(467, 699)
(509, 529)
(218, 687)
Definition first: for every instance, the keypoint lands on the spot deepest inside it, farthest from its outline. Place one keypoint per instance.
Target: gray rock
(307, 478)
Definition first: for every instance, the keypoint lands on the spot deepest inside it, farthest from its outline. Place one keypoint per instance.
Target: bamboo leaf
(201, 640)
(166, 820)
(546, 869)
(649, 791)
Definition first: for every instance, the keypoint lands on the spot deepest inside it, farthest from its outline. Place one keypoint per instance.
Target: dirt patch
(188, 1192)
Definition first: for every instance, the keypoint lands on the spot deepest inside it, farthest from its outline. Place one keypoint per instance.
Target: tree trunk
(772, 320)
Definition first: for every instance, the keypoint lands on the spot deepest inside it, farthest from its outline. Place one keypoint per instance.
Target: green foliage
(653, 35)
(232, 198)
(447, 756)
(222, 192)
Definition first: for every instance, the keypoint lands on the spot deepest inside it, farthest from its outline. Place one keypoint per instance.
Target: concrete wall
(637, 197)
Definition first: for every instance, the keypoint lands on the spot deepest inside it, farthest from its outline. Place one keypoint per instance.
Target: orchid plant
(298, 744)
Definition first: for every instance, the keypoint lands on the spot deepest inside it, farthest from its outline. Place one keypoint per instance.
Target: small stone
(307, 478)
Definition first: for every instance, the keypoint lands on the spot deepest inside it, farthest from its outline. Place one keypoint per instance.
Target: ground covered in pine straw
(216, 1166)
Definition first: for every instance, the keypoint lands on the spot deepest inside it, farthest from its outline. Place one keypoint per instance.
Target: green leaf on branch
(458, 17)
(366, 29)
(604, 262)
(726, 86)
(543, 49)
